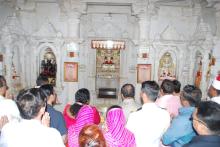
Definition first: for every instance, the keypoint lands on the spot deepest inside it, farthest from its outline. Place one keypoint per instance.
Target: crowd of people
(167, 116)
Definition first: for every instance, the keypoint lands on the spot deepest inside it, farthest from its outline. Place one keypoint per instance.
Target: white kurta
(216, 99)
(9, 108)
(148, 125)
(29, 133)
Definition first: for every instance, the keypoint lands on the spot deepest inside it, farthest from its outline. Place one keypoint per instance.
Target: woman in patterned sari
(85, 117)
(117, 135)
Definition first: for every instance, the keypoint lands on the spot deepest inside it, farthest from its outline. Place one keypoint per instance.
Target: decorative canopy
(107, 44)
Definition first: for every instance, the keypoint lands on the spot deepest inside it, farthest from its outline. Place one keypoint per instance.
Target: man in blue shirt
(181, 130)
(206, 122)
(56, 117)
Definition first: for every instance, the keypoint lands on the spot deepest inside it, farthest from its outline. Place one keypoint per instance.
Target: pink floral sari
(117, 135)
(85, 117)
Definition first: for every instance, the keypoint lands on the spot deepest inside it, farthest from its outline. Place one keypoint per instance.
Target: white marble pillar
(204, 85)
(217, 7)
(73, 25)
(7, 44)
(8, 63)
(142, 25)
(73, 34)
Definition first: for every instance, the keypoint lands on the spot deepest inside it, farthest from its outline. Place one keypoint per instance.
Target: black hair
(74, 109)
(2, 81)
(47, 89)
(30, 102)
(112, 107)
(151, 89)
(41, 80)
(209, 113)
(192, 94)
(128, 90)
(167, 86)
(82, 96)
(177, 86)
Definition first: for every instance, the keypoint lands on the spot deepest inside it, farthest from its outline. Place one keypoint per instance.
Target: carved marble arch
(197, 71)
(48, 64)
(167, 66)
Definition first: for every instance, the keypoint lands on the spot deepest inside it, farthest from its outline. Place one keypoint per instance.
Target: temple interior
(103, 44)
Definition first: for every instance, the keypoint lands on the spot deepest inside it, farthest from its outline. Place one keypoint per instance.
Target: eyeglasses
(193, 119)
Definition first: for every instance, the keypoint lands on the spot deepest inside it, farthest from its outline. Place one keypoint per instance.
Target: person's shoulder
(11, 127)
(67, 106)
(191, 145)
(8, 102)
(216, 99)
(53, 134)
(163, 112)
(52, 131)
(136, 114)
(57, 113)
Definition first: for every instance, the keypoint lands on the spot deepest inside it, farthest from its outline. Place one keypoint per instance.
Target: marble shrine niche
(167, 68)
(107, 72)
(48, 66)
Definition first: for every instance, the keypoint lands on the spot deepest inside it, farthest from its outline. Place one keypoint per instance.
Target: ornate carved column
(204, 82)
(59, 45)
(7, 41)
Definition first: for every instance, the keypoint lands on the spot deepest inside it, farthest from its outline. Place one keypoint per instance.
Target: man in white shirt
(8, 108)
(128, 103)
(214, 90)
(149, 123)
(31, 131)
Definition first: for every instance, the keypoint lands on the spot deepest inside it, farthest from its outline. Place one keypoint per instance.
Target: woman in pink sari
(117, 135)
(85, 117)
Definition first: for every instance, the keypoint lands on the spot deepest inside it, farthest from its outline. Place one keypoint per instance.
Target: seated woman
(117, 135)
(84, 117)
(82, 97)
(91, 136)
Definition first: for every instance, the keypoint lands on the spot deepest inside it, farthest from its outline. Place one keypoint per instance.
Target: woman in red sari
(82, 97)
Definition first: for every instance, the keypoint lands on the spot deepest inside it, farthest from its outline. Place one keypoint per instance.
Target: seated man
(181, 131)
(206, 122)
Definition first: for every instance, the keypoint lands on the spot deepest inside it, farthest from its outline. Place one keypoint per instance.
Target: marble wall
(27, 28)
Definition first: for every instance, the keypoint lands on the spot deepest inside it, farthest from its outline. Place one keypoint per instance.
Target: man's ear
(122, 96)
(201, 129)
(42, 110)
(215, 93)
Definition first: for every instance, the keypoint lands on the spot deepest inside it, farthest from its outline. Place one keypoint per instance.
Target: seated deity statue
(108, 64)
(166, 67)
(108, 60)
